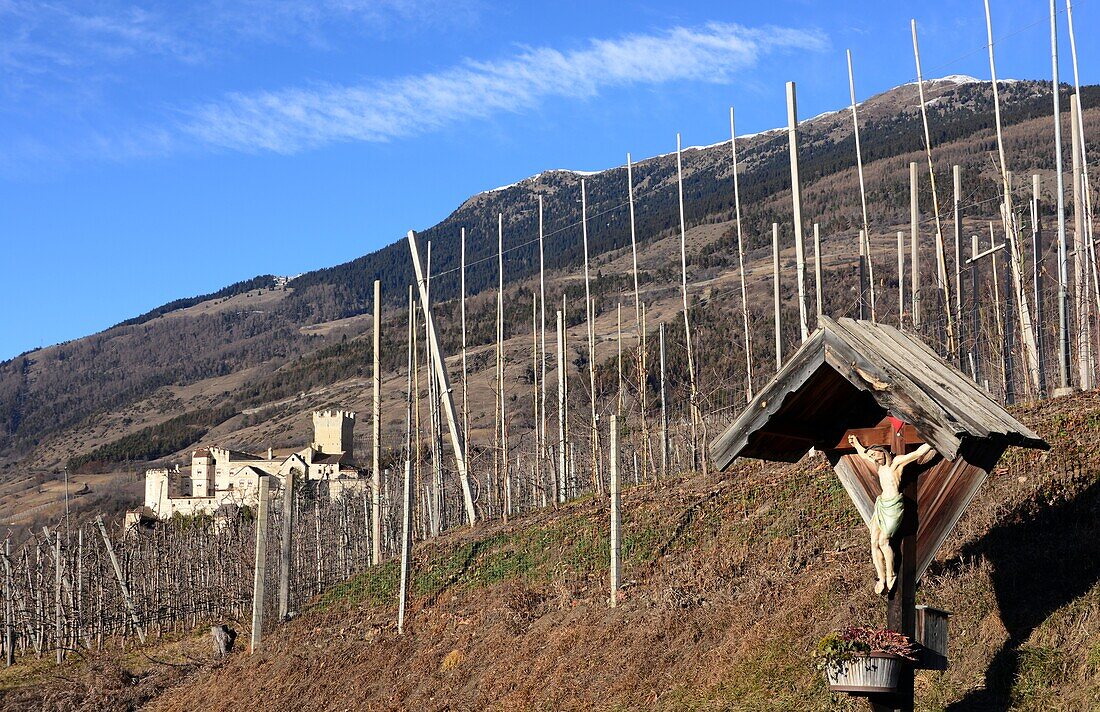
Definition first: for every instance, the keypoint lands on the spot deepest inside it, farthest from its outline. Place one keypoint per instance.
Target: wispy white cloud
(295, 119)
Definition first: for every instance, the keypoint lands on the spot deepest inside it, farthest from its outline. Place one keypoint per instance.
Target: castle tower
(202, 473)
(332, 432)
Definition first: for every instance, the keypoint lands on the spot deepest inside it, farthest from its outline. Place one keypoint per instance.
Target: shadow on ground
(1043, 557)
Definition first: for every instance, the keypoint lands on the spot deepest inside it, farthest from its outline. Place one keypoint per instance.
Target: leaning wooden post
(615, 504)
(693, 393)
(862, 189)
(1037, 281)
(376, 433)
(941, 260)
(775, 290)
(406, 545)
(261, 561)
(285, 542)
(458, 442)
(796, 196)
(1080, 255)
(914, 246)
(121, 580)
(741, 266)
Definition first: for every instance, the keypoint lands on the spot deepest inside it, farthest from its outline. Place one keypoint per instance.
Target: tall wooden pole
(914, 245)
(376, 433)
(941, 259)
(1060, 192)
(594, 436)
(643, 377)
(538, 482)
(504, 462)
(901, 279)
(126, 599)
(562, 464)
(457, 435)
(58, 623)
(1027, 334)
(693, 393)
(619, 356)
(285, 542)
(975, 322)
(1036, 278)
(796, 197)
(406, 545)
(9, 608)
(462, 314)
(615, 514)
(1084, 154)
(818, 284)
(862, 190)
(1080, 255)
(741, 265)
(956, 176)
(775, 292)
(261, 559)
(664, 408)
(544, 440)
(862, 300)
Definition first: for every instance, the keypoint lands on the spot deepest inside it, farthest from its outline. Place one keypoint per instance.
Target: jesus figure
(888, 506)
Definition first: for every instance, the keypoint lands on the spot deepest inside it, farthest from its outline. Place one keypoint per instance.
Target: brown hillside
(730, 581)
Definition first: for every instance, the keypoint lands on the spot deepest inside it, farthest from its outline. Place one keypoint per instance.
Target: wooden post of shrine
(901, 607)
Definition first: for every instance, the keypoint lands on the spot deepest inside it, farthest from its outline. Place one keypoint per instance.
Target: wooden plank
(806, 361)
(976, 397)
(849, 353)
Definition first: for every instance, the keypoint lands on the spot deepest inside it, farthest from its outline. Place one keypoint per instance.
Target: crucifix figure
(888, 506)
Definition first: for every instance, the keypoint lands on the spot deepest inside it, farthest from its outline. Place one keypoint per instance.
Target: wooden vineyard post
(862, 277)
(1037, 281)
(741, 265)
(562, 464)
(58, 625)
(914, 245)
(956, 177)
(975, 321)
(376, 434)
(406, 545)
(9, 608)
(775, 292)
(862, 189)
(457, 435)
(285, 544)
(121, 580)
(594, 433)
(693, 393)
(664, 409)
(615, 514)
(1080, 256)
(818, 276)
(796, 193)
(901, 279)
(261, 561)
(901, 612)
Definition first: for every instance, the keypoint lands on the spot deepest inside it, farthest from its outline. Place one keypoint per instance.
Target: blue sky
(155, 150)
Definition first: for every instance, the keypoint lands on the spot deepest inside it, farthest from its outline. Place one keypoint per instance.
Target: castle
(219, 476)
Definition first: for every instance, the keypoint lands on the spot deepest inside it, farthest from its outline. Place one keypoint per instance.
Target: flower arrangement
(838, 648)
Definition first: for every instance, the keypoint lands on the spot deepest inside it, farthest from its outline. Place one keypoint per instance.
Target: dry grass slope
(730, 581)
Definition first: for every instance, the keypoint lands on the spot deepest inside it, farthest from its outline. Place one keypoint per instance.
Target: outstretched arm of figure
(860, 450)
(903, 460)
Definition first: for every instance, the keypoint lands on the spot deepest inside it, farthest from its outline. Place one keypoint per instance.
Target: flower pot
(866, 674)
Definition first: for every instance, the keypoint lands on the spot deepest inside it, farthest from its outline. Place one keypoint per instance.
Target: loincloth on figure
(888, 512)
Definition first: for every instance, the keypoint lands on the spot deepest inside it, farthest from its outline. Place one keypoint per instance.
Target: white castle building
(219, 476)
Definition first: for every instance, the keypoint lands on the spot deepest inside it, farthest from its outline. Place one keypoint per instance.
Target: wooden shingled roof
(850, 374)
